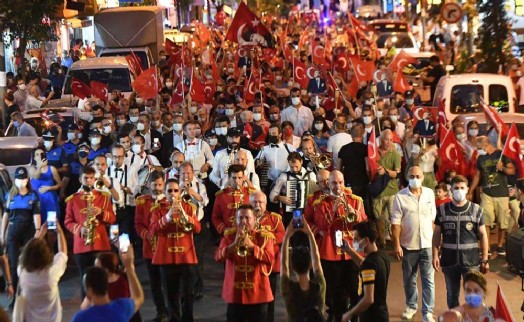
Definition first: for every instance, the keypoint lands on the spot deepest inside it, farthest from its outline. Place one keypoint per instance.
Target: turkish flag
(171, 47)
(80, 89)
(492, 116)
(201, 31)
(214, 68)
(318, 53)
(442, 119)
(473, 164)
(134, 63)
(343, 62)
(372, 154)
(502, 310)
(352, 87)
(247, 30)
(197, 91)
(100, 90)
(252, 86)
(512, 150)
(178, 93)
(299, 73)
(418, 114)
(147, 84)
(452, 157)
(209, 91)
(401, 60)
(364, 69)
(401, 85)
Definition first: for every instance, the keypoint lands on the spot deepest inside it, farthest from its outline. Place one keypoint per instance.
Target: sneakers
(408, 313)
(428, 317)
(501, 251)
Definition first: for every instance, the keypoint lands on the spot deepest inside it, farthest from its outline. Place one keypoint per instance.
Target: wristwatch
(485, 261)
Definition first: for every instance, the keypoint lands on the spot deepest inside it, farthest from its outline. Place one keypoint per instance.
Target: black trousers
(246, 312)
(18, 234)
(271, 206)
(125, 218)
(83, 261)
(273, 279)
(156, 288)
(341, 286)
(178, 283)
(201, 242)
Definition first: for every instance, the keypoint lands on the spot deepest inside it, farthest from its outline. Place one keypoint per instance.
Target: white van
(462, 95)
(113, 71)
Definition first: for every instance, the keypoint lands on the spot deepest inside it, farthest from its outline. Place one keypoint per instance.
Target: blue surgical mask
(15, 123)
(474, 300)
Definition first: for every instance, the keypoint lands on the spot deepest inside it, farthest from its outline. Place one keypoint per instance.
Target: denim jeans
(453, 274)
(411, 262)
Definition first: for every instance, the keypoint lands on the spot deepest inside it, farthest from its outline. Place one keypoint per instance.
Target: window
(400, 40)
(117, 78)
(498, 97)
(466, 99)
(142, 56)
(16, 156)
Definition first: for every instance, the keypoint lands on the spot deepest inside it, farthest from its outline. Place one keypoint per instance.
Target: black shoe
(501, 251)
(160, 318)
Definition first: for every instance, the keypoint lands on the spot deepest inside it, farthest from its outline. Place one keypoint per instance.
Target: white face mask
(461, 137)
(213, 141)
(48, 144)
(230, 112)
(290, 84)
(473, 132)
(22, 87)
(367, 120)
(21, 183)
(257, 116)
(295, 100)
(415, 183)
(278, 78)
(379, 113)
(107, 129)
(230, 70)
(140, 126)
(409, 101)
(133, 119)
(136, 148)
(169, 84)
(394, 118)
(192, 109)
(70, 136)
(139, 100)
(177, 127)
(459, 195)
(319, 126)
(120, 122)
(95, 141)
(481, 152)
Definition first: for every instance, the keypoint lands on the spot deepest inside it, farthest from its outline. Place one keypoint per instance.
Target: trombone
(322, 160)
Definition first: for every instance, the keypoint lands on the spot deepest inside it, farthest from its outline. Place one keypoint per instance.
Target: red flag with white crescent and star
(100, 90)
(512, 150)
(197, 91)
(134, 63)
(452, 157)
(401, 60)
(364, 69)
(318, 53)
(494, 118)
(247, 30)
(299, 73)
(147, 83)
(401, 85)
(252, 86)
(372, 154)
(502, 309)
(80, 89)
(178, 93)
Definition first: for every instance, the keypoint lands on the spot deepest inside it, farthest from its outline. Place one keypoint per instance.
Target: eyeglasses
(172, 190)
(118, 156)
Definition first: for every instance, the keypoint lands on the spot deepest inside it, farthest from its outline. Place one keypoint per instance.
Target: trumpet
(99, 183)
(350, 215)
(187, 226)
(185, 195)
(242, 249)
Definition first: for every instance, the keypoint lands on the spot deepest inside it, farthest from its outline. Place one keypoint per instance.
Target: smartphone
(298, 218)
(155, 142)
(113, 232)
(51, 220)
(123, 242)
(339, 242)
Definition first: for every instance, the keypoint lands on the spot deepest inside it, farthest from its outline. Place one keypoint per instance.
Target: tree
(28, 20)
(494, 34)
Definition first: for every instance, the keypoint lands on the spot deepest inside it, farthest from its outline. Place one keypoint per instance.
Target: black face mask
(165, 99)
(400, 103)
(273, 139)
(86, 188)
(83, 154)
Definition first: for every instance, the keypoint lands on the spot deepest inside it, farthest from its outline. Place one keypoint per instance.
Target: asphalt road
(212, 308)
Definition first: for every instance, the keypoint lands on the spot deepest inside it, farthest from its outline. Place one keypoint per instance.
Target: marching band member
(176, 159)
(142, 162)
(270, 222)
(87, 213)
(296, 175)
(174, 222)
(104, 183)
(195, 192)
(226, 157)
(143, 214)
(309, 209)
(251, 178)
(229, 199)
(197, 151)
(334, 217)
(249, 255)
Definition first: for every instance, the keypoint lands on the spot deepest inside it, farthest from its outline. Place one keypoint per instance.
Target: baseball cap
(95, 132)
(408, 94)
(234, 131)
(21, 173)
(48, 135)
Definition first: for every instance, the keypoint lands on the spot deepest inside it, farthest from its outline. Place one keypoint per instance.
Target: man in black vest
(459, 225)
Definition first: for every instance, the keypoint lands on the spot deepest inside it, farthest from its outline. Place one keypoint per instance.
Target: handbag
(19, 309)
(378, 185)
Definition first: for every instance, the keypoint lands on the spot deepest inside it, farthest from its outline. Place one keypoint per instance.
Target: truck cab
(143, 53)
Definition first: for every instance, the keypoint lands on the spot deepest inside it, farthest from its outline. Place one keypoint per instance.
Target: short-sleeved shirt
(390, 161)
(120, 310)
(23, 207)
(375, 270)
(437, 72)
(493, 182)
(298, 301)
(353, 158)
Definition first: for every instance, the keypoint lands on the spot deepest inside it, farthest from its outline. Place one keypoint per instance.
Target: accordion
(297, 190)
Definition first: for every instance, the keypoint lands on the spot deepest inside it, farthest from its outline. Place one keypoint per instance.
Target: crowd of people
(280, 180)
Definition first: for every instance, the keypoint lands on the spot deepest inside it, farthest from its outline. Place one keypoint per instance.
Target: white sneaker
(408, 313)
(428, 317)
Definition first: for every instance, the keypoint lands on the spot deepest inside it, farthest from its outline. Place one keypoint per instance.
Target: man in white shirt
(104, 183)
(275, 155)
(400, 127)
(177, 158)
(301, 116)
(122, 172)
(143, 163)
(250, 176)
(226, 157)
(196, 151)
(339, 139)
(412, 218)
(34, 101)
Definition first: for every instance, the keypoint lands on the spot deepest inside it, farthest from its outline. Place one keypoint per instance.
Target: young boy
(442, 196)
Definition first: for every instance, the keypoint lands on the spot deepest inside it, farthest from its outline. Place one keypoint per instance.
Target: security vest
(460, 231)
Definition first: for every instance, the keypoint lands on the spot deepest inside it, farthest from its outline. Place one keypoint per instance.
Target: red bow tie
(188, 144)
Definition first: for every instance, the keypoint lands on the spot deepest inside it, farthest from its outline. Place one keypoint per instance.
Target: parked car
(16, 152)
(45, 119)
(401, 40)
(388, 25)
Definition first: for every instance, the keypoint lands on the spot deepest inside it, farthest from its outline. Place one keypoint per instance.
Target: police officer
(22, 215)
(55, 154)
(74, 138)
(460, 226)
